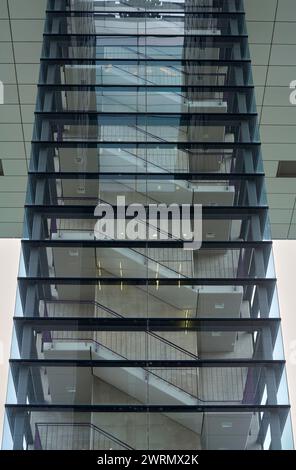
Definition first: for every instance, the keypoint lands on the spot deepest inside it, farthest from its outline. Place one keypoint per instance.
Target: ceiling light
(226, 424)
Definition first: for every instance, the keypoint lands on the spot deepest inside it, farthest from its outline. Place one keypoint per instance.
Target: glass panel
(225, 341)
(164, 73)
(172, 24)
(220, 384)
(225, 429)
(165, 5)
(205, 128)
(209, 48)
(133, 298)
(125, 339)
(129, 158)
(86, 190)
(153, 100)
(161, 157)
(73, 260)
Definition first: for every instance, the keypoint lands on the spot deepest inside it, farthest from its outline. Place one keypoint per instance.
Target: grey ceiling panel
(271, 28)
(275, 21)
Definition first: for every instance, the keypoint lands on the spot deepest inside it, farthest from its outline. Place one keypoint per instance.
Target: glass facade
(140, 344)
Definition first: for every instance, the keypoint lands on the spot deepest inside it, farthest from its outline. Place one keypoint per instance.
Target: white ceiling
(272, 36)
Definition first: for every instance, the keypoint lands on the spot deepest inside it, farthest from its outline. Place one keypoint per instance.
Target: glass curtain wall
(130, 344)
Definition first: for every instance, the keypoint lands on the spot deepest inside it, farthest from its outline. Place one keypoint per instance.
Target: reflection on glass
(125, 342)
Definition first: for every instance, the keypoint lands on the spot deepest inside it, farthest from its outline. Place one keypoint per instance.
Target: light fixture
(226, 424)
(73, 253)
(219, 306)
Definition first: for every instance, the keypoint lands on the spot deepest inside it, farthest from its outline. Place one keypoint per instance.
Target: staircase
(179, 386)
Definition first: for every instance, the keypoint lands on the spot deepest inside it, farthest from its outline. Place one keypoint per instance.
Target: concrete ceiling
(21, 28)
(272, 37)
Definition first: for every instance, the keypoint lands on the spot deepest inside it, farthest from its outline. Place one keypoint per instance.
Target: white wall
(285, 266)
(9, 258)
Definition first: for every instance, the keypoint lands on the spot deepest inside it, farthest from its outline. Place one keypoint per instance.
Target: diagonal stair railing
(75, 436)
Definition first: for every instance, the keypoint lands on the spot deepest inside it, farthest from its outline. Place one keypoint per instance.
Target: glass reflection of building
(144, 345)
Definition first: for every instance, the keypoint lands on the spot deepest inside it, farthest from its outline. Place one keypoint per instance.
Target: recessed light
(73, 253)
(219, 306)
(226, 424)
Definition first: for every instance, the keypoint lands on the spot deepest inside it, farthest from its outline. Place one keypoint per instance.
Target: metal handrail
(92, 302)
(159, 376)
(145, 132)
(158, 338)
(118, 315)
(91, 426)
(156, 261)
(92, 340)
(146, 161)
(154, 373)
